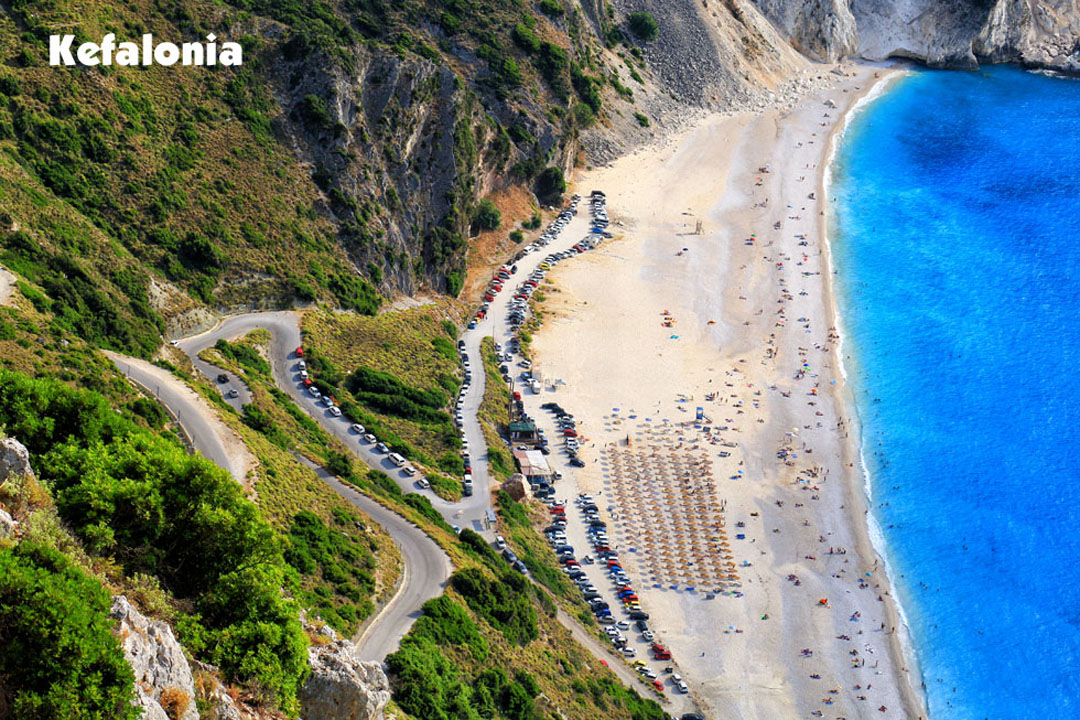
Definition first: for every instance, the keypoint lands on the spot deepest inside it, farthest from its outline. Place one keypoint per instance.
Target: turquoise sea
(956, 240)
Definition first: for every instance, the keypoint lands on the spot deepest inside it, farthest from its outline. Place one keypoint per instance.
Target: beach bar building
(523, 432)
(533, 466)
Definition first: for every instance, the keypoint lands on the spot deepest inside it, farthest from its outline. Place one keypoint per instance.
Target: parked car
(234, 393)
(223, 378)
(358, 428)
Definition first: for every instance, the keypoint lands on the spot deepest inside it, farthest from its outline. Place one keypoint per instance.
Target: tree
(644, 26)
(551, 184)
(487, 216)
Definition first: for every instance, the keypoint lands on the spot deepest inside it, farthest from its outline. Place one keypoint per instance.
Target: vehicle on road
(381, 447)
(233, 393)
(397, 459)
(358, 428)
(423, 482)
(223, 378)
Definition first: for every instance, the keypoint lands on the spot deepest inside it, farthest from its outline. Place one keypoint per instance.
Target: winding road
(426, 567)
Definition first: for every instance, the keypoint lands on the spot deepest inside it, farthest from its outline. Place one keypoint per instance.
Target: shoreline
(902, 645)
(610, 357)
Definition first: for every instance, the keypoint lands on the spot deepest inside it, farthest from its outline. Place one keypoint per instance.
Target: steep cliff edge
(962, 34)
(823, 30)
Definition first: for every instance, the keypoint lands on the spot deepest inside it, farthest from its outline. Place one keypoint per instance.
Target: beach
(734, 316)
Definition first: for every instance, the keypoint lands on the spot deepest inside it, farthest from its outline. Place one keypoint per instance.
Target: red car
(307, 382)
(570, 433)
(658, 685)
(299, 352)
(488, 297)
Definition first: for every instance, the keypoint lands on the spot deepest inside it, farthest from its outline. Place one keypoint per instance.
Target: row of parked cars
(459, 418)
(567, 426)
(331, 405)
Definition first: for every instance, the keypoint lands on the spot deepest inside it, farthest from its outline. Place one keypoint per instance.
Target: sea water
(955, 227)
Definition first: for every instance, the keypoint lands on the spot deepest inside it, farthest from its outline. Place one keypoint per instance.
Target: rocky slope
(961, 34)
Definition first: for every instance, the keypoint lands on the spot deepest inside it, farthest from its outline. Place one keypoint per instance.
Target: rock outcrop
(14, 459)
(958, 33)
(823, 30)
(340, 686)
(517, 487)
(163, 680)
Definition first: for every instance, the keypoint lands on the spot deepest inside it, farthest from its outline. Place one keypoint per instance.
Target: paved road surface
(190, 410)
(426, 568)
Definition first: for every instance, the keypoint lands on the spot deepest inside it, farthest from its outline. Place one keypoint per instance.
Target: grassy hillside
(348, 153)
(491, 648)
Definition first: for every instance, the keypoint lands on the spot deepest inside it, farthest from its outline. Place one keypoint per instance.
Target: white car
(682, 687)
(301, 365)
(358, 428)
(423, 482)
(629, 651)
(369, 438)
(335, 411)
(410, 471)
(314, 392)
(500, 542)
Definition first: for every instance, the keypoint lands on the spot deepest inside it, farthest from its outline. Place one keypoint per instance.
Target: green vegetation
(456, 661)
(551, 184)
(551, 8)
(487, 216)
(642, 120)
(340, 560)
(503, 602)
(60, 658)
(402, 371)
(644, 26)
(140, 499)
(516, 236)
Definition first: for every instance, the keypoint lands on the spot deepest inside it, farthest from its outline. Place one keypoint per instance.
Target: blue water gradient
(956, 238)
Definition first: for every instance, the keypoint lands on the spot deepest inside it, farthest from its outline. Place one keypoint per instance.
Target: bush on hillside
(644, 26)
(60, 657)
(487, 215)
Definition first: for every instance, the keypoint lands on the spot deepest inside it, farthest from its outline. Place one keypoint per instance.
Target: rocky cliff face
(163, 680)
(823, 30)
(959, 33)
(341, 687)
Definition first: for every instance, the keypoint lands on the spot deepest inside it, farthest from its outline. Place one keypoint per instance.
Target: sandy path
(752, 323)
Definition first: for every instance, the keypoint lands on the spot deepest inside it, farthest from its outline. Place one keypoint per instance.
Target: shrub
(60, 657)
(525, 38)
(487, 215)
(516, 236)
(551, 8)
(551, 184)
(504, 603)
(143, 500)
(642, 120)
(644, 26)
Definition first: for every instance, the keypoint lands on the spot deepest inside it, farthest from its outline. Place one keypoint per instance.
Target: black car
(641, 625)
(577, 462)
(639, 615)
(223, 378)
(692, 716)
